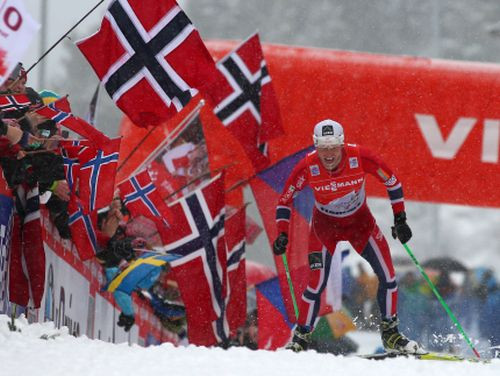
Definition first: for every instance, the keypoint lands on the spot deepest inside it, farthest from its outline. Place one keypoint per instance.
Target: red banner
(436, 122)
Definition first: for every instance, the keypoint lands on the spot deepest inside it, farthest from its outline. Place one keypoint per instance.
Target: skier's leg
(377, 253)
(319, 268)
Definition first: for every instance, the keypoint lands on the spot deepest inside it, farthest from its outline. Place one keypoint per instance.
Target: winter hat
(48, 96)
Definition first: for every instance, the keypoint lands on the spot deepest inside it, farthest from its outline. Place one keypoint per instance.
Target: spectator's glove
(401, 230)
(279, 245)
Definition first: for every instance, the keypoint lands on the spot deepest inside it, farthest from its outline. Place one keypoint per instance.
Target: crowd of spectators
(31, 161)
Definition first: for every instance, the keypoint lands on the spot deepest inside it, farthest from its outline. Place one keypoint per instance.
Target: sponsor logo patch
(327, 130)
(314, 170)
(333, 186)
(315, 260)
(353, 162)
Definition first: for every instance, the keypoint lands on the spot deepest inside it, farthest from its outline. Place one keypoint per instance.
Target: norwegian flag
(60, 112)
(14, 102)
(71, 170)
(71, 163)
(150, 59)
(246, 101)
(141, 197)
(70, 151)
(237, 286)
(198, 236)
(61, 104)
(83, 229)
(97, 174)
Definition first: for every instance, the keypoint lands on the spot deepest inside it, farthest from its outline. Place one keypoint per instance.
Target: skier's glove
(279, 245)
(401, 230)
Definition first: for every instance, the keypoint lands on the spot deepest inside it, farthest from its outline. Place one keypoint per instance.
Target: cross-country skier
(336, 172)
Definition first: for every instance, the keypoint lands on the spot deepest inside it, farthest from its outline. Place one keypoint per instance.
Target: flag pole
(65, 35)
(441, 300)
(13, 83)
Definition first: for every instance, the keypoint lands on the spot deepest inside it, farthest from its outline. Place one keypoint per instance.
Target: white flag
(17, 29)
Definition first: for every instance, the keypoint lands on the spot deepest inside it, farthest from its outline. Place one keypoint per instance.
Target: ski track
(24, 351)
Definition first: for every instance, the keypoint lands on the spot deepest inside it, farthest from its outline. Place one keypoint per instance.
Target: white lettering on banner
(491, 141)
(440, 148)
(448, 149)
(12, 18)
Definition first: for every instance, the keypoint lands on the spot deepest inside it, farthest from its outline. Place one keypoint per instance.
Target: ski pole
(290, 285)
(441, 300)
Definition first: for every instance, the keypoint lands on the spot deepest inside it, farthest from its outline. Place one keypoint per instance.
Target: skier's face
(331, 156)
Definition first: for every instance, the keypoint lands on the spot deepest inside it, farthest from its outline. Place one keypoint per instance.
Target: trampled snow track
(24, 351)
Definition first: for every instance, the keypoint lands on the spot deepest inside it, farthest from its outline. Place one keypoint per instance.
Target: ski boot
(396, 342)
(125, 321)
(301, 339)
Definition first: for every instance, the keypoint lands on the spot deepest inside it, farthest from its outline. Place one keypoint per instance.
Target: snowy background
(450, 29)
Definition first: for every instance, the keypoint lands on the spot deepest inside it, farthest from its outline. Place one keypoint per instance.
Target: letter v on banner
(448, 149)
(439, 147)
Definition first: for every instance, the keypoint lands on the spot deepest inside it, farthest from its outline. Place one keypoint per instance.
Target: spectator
(114, 258)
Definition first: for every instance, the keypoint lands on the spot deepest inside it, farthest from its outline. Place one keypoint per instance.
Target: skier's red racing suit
(341, 213)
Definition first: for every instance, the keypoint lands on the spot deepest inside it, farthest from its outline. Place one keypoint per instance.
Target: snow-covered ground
(25, 353)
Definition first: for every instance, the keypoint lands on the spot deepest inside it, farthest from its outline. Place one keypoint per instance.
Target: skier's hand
(401, 230)
(279, 245)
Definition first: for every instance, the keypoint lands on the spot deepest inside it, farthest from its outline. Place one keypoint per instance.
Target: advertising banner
(17, 29)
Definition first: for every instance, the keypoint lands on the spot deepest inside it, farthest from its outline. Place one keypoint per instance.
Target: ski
(426, 356)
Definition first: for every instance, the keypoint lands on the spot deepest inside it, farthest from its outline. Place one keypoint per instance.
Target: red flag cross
(14, 102)
(141, 197)
(59, 114)
(83, 230)
(246, 101)
(97, 174)
(150, 59)
(198, 236)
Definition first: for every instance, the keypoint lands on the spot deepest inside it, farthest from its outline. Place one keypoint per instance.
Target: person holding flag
(336, 172)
